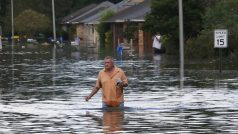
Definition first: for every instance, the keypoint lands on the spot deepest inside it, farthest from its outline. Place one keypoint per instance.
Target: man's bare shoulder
(119, 69)
(101, 71)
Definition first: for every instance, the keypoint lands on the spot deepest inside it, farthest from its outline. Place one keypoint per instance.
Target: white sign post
(220, 38)
(220, 41)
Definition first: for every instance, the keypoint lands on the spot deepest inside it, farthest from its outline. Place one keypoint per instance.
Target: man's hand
(94, 91)
(87, 98)
(121, 84)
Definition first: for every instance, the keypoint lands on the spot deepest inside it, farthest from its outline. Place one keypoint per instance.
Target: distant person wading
(157, 46)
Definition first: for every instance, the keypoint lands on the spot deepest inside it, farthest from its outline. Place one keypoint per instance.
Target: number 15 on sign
(220, 38)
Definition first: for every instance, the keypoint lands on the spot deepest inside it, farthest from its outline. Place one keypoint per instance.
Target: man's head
(108, 63)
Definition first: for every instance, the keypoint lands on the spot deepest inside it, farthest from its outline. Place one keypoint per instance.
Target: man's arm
(94, 91)
(124, 80)
(157, 38)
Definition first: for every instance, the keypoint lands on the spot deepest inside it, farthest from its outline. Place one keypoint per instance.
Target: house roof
(134, 13)
(77, 13)
(115, 8)
(89, 13)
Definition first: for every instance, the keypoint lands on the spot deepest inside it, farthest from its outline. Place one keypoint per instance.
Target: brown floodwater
(42, 90)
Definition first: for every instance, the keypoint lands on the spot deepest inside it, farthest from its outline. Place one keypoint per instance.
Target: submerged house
(132, 16)
(91, 22)
(86, 19)
(82, 30)
(66, 21)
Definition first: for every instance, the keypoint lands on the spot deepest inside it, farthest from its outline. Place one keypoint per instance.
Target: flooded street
(42, 91)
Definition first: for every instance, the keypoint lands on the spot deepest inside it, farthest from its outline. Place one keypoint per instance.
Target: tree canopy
(30, 22)
(164, 18)
(223, 15)
(103, 28)
(62, 8)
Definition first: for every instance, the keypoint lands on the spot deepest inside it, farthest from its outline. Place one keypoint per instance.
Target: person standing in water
(157, 44)
(112, 80)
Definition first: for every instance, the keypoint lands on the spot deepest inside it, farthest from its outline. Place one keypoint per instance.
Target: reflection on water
(48, 94)
(113, 121)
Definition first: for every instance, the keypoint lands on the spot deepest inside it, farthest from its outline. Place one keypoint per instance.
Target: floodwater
(42, 90)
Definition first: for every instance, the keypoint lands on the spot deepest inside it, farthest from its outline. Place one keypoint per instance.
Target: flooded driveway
(42, 90)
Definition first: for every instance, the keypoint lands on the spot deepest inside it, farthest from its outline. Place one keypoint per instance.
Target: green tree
(4, 14)
(104, 27)
(130, 30)
(3, 7)
(223, 15)
(164, 19)
(30, 23)
(62, 8)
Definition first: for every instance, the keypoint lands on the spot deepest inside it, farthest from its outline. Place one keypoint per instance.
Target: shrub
(200, 47)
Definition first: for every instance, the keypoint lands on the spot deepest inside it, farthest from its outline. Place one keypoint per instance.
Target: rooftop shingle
(134, 13)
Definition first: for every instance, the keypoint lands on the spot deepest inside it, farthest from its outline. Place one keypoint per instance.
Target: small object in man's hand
(119, 82)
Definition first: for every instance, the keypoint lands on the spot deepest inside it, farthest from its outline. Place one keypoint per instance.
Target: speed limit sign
(220, 38)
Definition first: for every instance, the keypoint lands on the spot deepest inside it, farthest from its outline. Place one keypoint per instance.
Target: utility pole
(0, 28)
(0, 36)
(53, 16)
(181, 42)
(12, 58)
(54, 42)
(12, 22)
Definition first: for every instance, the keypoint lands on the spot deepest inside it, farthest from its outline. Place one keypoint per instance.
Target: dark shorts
(159, 51)
(104, 106)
